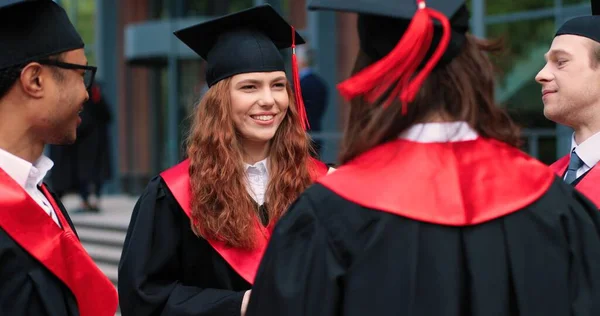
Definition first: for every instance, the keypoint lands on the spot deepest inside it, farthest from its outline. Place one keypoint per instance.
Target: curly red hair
(221, 207)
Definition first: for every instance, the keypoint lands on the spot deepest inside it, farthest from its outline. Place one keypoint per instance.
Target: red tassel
(398, 67)
(297, 90)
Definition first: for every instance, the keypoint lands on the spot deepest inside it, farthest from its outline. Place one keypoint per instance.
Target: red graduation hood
(455, 183)
(244, 262)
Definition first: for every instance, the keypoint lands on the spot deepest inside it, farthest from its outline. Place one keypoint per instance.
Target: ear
(33, 79)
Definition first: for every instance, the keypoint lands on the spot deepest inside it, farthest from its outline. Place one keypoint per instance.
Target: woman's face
(259, 102)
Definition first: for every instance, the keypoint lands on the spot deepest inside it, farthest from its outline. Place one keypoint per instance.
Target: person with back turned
(434, 211)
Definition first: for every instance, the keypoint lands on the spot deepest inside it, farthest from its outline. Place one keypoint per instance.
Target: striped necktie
(574, 164)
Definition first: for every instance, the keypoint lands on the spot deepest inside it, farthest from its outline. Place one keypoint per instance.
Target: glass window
(83, 15)
(158, 9)
(526, 42)
(212, 7)
(568, 2)
(192, 84)
(493, 7)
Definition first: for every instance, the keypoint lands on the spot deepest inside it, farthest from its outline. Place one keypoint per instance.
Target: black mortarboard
(243, 42)
(586, 26)
(7, 3)
(381, 23)
(395, 34)
(34, 29)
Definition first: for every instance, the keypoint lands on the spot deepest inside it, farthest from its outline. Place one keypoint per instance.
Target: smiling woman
(230, 126)
(199, 231)
(259, 101)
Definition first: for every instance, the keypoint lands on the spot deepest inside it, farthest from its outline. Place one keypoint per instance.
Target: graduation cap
(402, 37)
(34, 29)
(243, 42)
(7, 3)
(586, 26)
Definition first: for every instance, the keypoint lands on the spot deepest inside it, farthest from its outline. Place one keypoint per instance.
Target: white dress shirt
(29, 177)
(442, 132)
(258, 179)
(588, 152)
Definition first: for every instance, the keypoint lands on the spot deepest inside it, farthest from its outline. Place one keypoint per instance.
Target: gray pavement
(102, 234)
(115, 209)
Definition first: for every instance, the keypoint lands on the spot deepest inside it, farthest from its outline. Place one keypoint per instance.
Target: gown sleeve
(554, 248)
(22, 292)
(300, 271)
(582, 232)
(150, 281)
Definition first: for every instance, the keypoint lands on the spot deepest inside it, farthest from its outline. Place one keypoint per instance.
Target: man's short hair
(10, 75)
(595, 55)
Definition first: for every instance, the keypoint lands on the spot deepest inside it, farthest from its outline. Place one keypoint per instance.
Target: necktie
(574, 164)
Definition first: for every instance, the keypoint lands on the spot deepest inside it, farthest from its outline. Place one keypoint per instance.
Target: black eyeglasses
(88, 76)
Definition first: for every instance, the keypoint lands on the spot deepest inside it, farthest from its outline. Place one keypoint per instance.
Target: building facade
(153, 81)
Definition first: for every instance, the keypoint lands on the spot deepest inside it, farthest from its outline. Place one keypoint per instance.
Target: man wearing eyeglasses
(44, 82)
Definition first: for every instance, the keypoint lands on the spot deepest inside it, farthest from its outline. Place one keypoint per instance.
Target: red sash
(589, 185)
(458, 183)
(244, 262)
(59, 250)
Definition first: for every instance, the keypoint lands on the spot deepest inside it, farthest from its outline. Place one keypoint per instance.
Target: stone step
(118, 224)
(103, 254)
(101, 236)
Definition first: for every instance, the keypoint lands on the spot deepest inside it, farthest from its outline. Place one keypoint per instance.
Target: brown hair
(461, 90)
(595, 54)
(221, 207)
(10, 75)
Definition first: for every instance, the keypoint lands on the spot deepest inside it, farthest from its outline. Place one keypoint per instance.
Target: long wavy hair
(462, 90)
(221, 207)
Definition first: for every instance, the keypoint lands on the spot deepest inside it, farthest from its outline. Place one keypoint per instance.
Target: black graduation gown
(587, 183)
(88, 159)
(177, 274)
(93, 144)
(26, 286)
(44, 269)
(331, 256)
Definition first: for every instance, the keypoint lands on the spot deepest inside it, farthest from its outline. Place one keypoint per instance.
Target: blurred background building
(152, 81)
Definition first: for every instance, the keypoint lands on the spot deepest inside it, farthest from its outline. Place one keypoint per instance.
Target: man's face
(57, 118)
(570, 82)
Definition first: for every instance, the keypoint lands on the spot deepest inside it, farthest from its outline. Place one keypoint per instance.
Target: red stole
(589, 185)
(59, 250)
(244, 262)
(456, 183)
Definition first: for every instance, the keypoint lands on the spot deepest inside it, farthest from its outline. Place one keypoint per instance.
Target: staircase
(103, 240)
(103, 234)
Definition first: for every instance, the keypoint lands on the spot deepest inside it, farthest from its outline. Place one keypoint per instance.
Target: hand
(245, 301)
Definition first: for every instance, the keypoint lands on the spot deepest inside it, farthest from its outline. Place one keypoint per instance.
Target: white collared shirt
(258, 179)
(588, 152)
(29, 177)
(439, 132)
